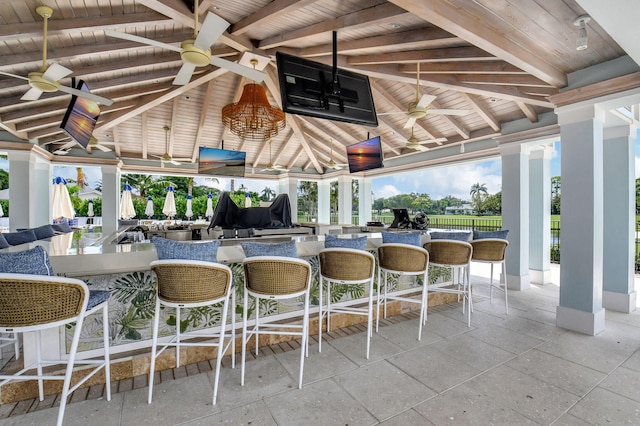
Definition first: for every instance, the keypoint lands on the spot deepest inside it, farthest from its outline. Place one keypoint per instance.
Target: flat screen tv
(365, 155)
(221, 162)
(308, 88)
(81, 117)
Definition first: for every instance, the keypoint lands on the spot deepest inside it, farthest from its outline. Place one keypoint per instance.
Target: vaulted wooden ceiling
(500, 60)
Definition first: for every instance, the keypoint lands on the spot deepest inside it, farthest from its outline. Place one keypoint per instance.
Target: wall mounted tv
(308, 88)
(221, 162)
(81, 117)
(365, 155)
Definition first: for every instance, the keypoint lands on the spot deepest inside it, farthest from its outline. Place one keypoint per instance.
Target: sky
(437, 182)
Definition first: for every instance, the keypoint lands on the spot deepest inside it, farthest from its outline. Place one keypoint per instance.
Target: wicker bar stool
(275, 278)
(345, 267)
(32, 303)
(492, 251)
(407, 260)
(457, 256)
(193, 284)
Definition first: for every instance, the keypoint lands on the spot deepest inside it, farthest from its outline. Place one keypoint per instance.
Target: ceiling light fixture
(252, 116)
(582, 40)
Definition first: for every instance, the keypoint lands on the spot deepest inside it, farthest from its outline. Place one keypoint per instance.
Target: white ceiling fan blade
(103, 148)
(184, 75)
(148, 41)
(86, 95)
(450, 111)
(181, 159)
(14, 75)
(425, 100)
(212, 27)
(174, 162)
(250, 73)
(410, 122)
(392, 113)
(60, 152)
(420, 148)
(68, 145)
(56, 72)
(32, 94)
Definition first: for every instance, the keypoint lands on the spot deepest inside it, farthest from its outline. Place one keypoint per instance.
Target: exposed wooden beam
(466, 67)
(459, 128)
(480, 31)
(432, 55)
(482, 111)
(268, 12)
(363, 18)
(201, 122)
(528, 111)
(502, 80)
(145, 134)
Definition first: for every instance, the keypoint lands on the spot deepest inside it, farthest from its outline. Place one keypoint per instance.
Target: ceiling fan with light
(419, 107)
(166, 157)
(273, 167)
(196, 52)
(332, 164)
(47, 78)
(101, 145)
(414, 143)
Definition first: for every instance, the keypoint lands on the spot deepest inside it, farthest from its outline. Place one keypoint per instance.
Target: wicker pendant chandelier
(252, 117)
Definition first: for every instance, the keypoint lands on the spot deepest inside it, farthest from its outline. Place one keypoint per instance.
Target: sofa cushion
(458, 236)
(286, 249)
(44, 231)
(502, 234)
(359, 243)
(171, 249)
(3, 242)
(20, 237)
(34, 261)
(412, 238)
(61, 227)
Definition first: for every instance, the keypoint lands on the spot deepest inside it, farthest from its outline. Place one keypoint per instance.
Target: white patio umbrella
(61, 204)
(169, 208)
(1, 211)
(90, 209)
(247, 199)
(209, 212)
(189, 212)
(149, 209)
(127, 211)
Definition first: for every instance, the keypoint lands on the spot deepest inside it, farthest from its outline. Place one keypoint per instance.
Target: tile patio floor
(516, 369)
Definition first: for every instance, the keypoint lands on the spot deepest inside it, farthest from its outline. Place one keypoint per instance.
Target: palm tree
(144, 183)
(267, 193)
(477, 191)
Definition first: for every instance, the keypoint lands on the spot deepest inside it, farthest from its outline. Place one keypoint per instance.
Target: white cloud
(386, 191)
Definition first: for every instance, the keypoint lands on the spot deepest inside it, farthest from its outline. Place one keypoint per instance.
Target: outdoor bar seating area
(195, 285)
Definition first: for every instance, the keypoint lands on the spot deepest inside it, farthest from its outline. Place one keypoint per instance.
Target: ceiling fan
(196, 52)
(414, 143)
(47, 78)
(332, 164)
(273, 167)
(95, 143)
(166, 157)
(419, 107)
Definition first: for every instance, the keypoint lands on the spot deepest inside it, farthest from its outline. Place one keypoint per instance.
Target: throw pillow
(34, 261)
(3, 242)
(286, 249)
(459, 236)
(44, 231)
(502, 234)
(20, 237)
(61, 227)
(171, 249)
(412, 238)
(331, 241)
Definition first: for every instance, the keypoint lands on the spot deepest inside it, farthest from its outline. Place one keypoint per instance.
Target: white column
(515, 213)
(110, 198)
(324, 201)
(30, 190)
(289, 185)
(540, 215)
(344, 199)
(581, 233)
(365, 200)
(619, 206)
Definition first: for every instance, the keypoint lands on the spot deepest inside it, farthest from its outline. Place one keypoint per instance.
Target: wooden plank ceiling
(499, 60)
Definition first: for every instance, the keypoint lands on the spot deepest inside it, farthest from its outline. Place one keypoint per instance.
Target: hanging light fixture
(582, 40)
(252, 116)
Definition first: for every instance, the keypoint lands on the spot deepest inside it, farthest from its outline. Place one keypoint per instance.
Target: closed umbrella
(149, 209)
(90, 209)
(127, 211)
(189, 212)
(209, 212)
(247, 199)
(1, 211)
(61, 205)
(169, 208)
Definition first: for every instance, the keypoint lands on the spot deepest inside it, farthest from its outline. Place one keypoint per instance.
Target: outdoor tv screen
(221, 162)
(81, 117)
(365, 155)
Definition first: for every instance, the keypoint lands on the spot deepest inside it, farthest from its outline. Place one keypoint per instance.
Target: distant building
(465, 209)
(90, 194)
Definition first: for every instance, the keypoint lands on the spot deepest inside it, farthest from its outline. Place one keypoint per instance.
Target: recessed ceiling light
(394, 25)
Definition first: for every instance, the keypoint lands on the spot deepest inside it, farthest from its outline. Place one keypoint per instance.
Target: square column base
(619, 302)
(590, 323)
(518, 282)
(540, 277)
